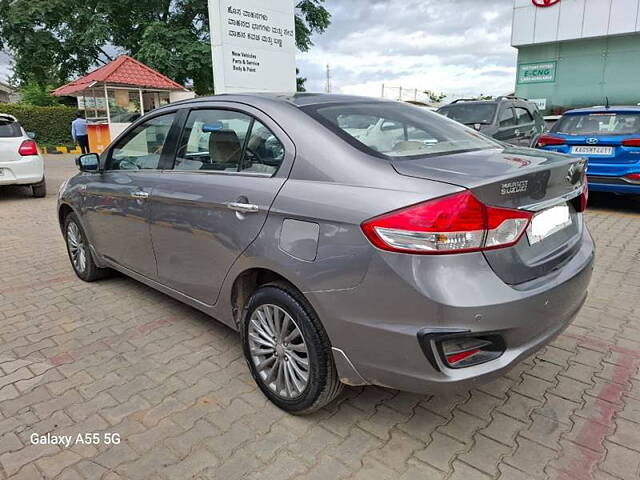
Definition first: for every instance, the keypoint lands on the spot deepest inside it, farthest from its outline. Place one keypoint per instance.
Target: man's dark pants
(83, 141)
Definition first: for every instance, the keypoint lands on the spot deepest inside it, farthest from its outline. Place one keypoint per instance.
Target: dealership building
(575, 53)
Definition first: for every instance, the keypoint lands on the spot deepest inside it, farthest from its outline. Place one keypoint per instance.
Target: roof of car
(496, 100)
(6, 116)
(603, 109)
(297, 99)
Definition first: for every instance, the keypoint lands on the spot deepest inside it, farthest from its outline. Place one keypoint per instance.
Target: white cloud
(459, 47)
(5, 66)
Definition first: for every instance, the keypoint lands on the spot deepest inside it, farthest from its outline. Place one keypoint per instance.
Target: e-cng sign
(544, 3)
(537, 72)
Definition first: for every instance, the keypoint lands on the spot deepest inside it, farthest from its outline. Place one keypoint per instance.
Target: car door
(526, 129)
(507, 125)
(116, 200)
(230, 164)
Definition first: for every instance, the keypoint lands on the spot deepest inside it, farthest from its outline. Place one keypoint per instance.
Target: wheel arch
(247, 282)
(63, 211)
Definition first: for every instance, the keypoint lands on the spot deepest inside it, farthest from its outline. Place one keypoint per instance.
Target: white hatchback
(20, 162)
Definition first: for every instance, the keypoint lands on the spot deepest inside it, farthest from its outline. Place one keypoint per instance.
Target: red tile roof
(122, 71)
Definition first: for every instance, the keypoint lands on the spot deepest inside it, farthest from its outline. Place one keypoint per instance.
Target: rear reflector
(633, 177)
(584, 197)
(631, 142)
(454, 224)
(469, 351)
(28, 147)
(546, 140)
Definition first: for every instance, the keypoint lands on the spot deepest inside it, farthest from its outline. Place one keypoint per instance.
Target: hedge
(52, 125)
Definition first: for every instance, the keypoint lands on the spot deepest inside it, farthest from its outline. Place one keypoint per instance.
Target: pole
(400, 93)
(328, 79)
(106, 99)
(383, 90)
(141, 101)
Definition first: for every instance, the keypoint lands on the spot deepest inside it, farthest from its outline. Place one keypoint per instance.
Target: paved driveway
(116, 358)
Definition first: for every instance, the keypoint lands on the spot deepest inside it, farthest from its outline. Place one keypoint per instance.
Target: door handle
(243, 207)
(140, 195)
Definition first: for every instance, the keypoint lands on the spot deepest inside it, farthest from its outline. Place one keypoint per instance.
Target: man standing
(79, 132)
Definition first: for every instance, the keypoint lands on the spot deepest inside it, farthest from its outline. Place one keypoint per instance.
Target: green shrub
(34, 94)
(52, 125)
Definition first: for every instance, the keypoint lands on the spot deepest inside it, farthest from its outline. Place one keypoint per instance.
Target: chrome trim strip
(536, 207)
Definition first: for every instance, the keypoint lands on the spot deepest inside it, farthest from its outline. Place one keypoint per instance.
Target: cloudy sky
(4, 66)
(459, 47)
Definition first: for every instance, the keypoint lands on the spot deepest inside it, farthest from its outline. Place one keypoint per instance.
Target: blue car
(609, 137)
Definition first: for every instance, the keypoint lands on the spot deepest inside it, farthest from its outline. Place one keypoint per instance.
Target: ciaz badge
(514, 187)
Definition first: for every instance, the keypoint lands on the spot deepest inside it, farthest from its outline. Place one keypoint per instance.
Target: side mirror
(89, 162)
(477, 127)
(31, 135)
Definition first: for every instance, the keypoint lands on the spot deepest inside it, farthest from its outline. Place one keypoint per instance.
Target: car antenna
(607, 104)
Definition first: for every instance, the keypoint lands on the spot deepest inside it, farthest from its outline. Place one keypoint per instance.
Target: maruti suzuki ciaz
(349, 240)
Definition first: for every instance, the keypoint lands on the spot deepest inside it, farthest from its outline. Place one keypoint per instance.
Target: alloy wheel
(77, 249)
(278, 351)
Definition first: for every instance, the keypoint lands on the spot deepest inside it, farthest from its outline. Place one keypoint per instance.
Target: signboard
(92, 103)
(541, 103)
(544, 3)
(253, 45)
(547, 21)
(544, 72)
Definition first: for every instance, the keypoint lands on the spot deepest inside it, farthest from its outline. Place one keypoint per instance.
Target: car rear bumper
(25, 171)
(613, 184)
(377, 324)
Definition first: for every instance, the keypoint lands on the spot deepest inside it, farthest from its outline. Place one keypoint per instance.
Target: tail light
(28, 147)
(584, 197)
(469, 351)
(631, 142)
(546, 140)
(454, 224)
(633, 177)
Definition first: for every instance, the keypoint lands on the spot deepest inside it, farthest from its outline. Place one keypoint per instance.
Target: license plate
(548, 222)
(592, 150)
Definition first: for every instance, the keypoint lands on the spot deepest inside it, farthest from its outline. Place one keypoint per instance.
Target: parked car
(20, 161)
(512, 120)
(609, 137)
(427, 260)
(550, 121)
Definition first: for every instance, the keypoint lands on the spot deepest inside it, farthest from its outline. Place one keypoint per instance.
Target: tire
(39, 190)
(79, 252)
(322, 384)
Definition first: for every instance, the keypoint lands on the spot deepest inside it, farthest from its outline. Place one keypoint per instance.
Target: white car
(20, 162)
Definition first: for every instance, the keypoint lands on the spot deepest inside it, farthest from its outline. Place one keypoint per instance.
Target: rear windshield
(394, 130)
(470, 113)
(9, 128)
(598, 124)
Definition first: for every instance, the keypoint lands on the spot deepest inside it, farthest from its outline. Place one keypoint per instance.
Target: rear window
(9, 128)
(470, 113)
(598, 124)
(397, 130)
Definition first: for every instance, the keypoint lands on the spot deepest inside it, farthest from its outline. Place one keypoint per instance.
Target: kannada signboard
(253, 45)
(544, 72)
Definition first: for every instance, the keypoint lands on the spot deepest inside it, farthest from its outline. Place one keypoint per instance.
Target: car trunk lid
(9, 148)
(514, 178)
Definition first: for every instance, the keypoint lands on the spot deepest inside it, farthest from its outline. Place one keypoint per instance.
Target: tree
(435, 97)
(300, 81)
(52, 41)
(34, 94)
